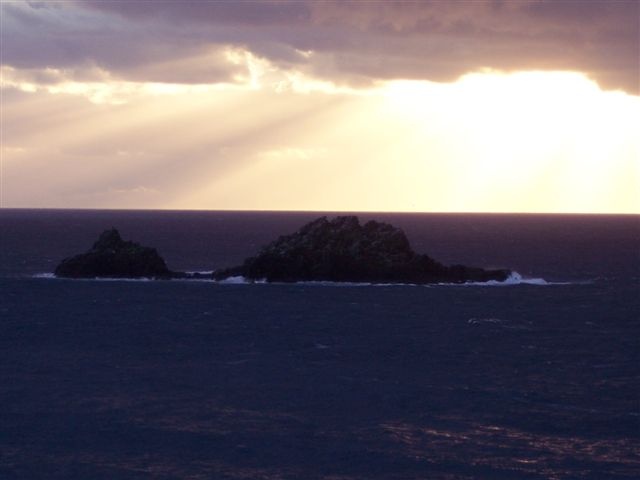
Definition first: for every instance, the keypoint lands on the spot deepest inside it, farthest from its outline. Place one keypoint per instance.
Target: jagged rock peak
(342, 249)
(344, 234)
(113, 257)
(108, 239)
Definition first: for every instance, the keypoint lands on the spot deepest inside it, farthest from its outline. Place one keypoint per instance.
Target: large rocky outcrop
(112, 257)
(343, 250)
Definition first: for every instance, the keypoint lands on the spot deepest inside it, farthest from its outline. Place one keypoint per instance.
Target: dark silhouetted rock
(342, 250)
(112, 257)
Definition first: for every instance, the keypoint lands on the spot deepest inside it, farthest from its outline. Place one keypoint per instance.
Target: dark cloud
(247, 13)
(441, 40)
(68, 38)
(352, 42)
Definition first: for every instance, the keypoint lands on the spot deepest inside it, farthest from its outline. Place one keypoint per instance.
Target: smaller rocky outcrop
(343, 250)
(112, 257)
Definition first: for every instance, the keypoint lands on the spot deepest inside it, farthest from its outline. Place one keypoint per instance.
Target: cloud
(247, 13)
(80, 42)
(365, 41)
(442, 40)
(353, 43)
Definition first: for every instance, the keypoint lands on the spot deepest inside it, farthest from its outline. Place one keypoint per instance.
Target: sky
(429, 106)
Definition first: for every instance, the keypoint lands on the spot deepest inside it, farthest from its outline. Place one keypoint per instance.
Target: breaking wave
(514, 279)
(96, 279)
(44, 275)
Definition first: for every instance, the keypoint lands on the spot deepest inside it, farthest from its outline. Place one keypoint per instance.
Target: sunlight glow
(529, 141)
(492, 142)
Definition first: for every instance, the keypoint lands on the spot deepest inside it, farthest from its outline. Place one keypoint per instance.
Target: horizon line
(410, 212)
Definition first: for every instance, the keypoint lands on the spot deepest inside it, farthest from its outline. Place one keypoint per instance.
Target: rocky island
(112, 257)
(343, 250)
(338, 250)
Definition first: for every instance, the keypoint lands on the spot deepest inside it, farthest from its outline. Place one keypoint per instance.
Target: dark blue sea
(177, 379)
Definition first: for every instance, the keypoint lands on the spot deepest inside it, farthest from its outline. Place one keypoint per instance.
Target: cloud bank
(347, 43)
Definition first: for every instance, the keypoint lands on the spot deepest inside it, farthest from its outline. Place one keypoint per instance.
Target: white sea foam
(239, 280)
(115, 279)
(94, 279)
(326, 283)
(474, 320)
(235, 280)
(44, 275)
(514, 279)
(122, 279)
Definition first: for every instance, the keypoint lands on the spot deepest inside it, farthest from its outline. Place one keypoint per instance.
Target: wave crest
(514, 279)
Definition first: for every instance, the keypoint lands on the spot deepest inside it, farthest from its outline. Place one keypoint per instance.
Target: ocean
(538, 378)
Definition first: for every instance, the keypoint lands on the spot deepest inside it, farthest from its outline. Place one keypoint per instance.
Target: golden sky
(518, 106)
